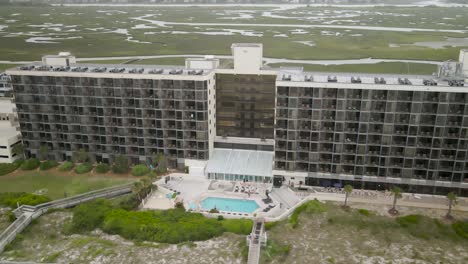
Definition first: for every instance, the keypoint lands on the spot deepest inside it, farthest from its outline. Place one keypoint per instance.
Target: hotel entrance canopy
(238, 165)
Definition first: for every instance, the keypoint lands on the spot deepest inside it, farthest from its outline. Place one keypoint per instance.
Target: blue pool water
(230, 205)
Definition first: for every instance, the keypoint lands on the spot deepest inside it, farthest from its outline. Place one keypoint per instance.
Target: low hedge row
(102, 168)
(6, 168)
(30, 164)
(140, 170)
(84, 168)
(48, 164)
(66, 166)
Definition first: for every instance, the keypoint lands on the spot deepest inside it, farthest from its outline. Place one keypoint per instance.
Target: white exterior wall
(464, 59)
(8, 133)
(200, 63)
(9, 136)
(209, 75)
(58, 60)
(196, 167)
(248, 58)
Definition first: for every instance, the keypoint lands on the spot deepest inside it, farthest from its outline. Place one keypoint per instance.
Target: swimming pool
(230, 205)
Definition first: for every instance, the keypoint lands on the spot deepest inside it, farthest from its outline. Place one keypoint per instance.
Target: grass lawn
(57, 183)
(3, 67)
(383, 67)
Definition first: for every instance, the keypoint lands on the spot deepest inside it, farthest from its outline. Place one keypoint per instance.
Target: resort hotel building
(249, 122)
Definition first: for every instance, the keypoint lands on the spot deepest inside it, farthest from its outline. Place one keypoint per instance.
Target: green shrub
(274, 249)
(310, 207)
(11, 199)
(408, 220)
(461, 228)
(220, 218)
(11, 216)
(270, 225)
(30, 164)
(364, 212)
(214, 211)
(140, 170)
(66, 166)
(170, 226)
(84, 168)
(238, 226)
(179, 205)
(425, 227)
(102, 168)
(6, 168)
(89, 216)
(129, 203)
(48, 164)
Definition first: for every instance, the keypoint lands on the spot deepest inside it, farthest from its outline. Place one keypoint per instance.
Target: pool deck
(193, 190)
(158, 201)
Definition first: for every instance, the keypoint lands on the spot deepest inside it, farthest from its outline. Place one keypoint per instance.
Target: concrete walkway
(405, 201)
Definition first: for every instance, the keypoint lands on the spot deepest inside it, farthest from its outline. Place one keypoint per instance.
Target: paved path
(322, 196)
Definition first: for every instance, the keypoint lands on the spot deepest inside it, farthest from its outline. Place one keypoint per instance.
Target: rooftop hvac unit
(309, 78)
(117, 70)
(404, 81)
(286, 77)
(380, 80)
(76, 69)
(138, 70)
(356, 80)
(429, 82)
(156, 71)
(99, 69)
(332, 79)
(176, 72)
(42, 68)
(456, 83)
(27, 68)
(61, 69)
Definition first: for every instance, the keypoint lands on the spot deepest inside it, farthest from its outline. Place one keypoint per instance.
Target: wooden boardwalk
(256, 240)
(25, 213)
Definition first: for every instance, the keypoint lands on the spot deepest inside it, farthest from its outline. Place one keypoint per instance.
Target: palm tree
(136, 189)
(146, 182)
(348, 190)
(396, 195)
(452, 198)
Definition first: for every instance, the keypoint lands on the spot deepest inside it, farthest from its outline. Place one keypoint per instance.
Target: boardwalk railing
(256, 240)
(26, 213)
